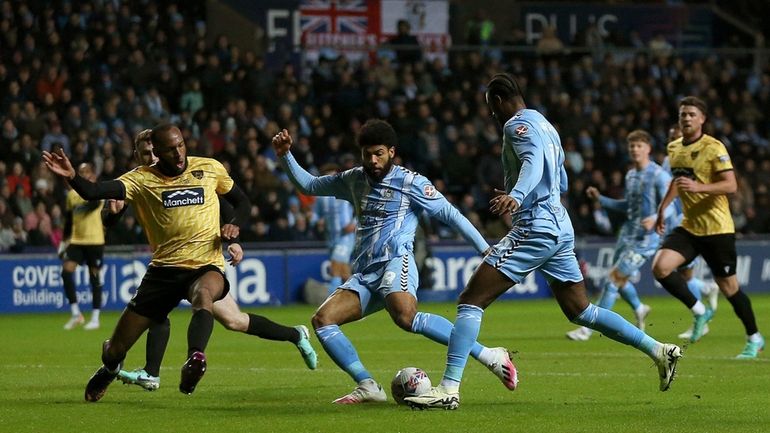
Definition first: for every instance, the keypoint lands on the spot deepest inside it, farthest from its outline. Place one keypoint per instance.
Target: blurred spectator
(85, 84)
(406, 45)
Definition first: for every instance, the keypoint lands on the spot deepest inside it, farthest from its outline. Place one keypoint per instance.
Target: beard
(377, 177)
(171, 170)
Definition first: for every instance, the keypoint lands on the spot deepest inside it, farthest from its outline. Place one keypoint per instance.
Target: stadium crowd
(86, 77)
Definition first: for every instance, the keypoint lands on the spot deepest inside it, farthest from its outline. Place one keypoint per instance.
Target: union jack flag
(334, 16)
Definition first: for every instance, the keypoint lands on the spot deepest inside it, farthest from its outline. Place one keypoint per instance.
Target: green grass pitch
(254, 385)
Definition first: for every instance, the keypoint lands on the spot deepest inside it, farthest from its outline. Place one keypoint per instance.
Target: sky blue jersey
(644, 191)
(386, 211)
(337, 214)
(533, 163)
(679, 212)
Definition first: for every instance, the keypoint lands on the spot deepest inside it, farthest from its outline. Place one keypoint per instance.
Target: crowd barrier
(32, 282)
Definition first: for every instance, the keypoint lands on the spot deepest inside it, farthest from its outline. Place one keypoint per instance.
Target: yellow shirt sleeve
(131, 182)
(224, 181)
(720, 159)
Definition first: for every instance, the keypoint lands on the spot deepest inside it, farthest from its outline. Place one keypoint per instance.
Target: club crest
(521, 129)
(429, 190)
(198, 174)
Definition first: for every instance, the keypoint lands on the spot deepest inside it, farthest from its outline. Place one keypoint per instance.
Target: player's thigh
(94, 256)
(342, 306)
(719, 253)
(402, 307)
(630, 258)
(227, 312)
(208, 285)
(677, 249)
(486, 284)
(159, 292)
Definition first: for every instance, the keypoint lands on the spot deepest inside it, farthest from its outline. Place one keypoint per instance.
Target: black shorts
(91, 255)
(717, 250)
(162, 289)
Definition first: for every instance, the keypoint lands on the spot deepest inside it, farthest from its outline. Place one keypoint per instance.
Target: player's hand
(230, 231)
(660, 224)
(115, 206)
(282, 142)
(502, 203)
(592, 193)
(59, 164)
(63, 245)
(649, 222)
(687, 184)
(236, 254)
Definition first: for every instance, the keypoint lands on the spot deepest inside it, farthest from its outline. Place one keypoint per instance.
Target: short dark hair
(639, 135)
(375, 132)
(158, 130)
(504, 86)
(696, 102)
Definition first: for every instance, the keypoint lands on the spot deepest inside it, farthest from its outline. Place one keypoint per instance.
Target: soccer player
(703, 176)
(225, 311)
(340, 226)
(541, 238)
(84, 243)
(387, 199)
(646, 184)
(176, 203)
(697, 287)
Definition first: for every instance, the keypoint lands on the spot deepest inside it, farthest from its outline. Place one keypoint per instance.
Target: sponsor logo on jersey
(683, 172)
(182, 197)
(198, 174)
(724, 158)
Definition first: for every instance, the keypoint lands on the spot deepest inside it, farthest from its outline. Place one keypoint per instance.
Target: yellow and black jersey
(87, 226)
(180, 214)
(704, 214)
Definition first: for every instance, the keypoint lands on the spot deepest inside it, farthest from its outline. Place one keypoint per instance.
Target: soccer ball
(409, 382)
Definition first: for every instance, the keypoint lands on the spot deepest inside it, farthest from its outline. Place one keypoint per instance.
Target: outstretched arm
(59, 164)
(304, 181)
(426, 197)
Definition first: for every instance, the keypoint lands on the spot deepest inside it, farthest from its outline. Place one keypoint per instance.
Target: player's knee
(320, 319)
(404, 320)
(660, 271)
(238, 323)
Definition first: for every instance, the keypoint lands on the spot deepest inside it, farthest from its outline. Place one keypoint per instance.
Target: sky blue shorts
(341, 251)
(629, 257)
(379, 280)
(522, 251)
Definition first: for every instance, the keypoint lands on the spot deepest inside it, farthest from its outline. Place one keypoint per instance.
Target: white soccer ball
(409, 382)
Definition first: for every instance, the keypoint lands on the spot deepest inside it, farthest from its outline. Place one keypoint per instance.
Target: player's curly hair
(504, 86)
(375, 132)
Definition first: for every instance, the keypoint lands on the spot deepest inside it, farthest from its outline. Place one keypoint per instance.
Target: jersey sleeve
(720, 159)
(427, 198)
(525, 144)
(332, 185)
(132, 182)
(224, 181)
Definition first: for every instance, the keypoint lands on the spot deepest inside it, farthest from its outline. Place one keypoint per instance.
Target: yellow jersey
(704, 214)
(87, 226)
(180, 214)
